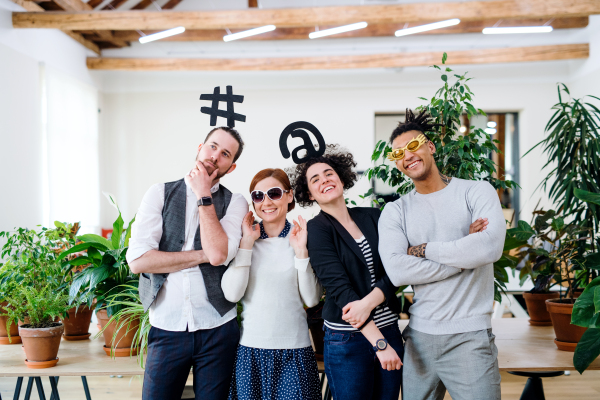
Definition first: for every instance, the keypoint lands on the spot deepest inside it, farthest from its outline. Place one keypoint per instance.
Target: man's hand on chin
(200, 180)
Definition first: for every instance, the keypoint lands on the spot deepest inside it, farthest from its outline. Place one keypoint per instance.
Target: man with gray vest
(185, 234)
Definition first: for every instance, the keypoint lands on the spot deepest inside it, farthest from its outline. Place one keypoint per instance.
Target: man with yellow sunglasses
(443, 238)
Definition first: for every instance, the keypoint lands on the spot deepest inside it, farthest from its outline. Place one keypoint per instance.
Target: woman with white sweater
(272, 276)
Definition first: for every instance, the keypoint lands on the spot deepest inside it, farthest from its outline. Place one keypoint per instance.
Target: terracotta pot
(567, 335)
(536, 307)
(125, 335)
(41, 344)
(14, 329)
(77, 324)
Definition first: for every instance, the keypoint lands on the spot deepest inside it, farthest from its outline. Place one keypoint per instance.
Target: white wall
(21, 156)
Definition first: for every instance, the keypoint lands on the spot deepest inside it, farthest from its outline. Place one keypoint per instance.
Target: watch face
(381, 344)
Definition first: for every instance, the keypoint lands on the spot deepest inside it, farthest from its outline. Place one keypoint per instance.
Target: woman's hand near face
(250, 232)
(299, 237)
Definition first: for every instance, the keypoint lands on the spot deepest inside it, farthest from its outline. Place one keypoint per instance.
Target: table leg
(40, 388)
(534, 389)
(18, 388)
(54, 386)
(29, 388)
(86, 388)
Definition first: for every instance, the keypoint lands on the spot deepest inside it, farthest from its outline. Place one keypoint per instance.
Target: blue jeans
(353, 369)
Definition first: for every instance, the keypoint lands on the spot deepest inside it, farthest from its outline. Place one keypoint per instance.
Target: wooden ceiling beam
(295, 17)
(33, 7)
(73, 5)
(371, 31)
(394, 60)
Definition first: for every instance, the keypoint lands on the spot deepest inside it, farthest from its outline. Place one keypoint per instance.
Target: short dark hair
(423, 122)
(340, 160)
(236, 136)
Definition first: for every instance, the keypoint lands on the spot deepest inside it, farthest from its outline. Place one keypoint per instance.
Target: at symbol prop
(214, 111)
(298, 130)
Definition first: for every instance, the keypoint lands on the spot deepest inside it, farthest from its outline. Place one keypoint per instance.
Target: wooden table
(521, 347)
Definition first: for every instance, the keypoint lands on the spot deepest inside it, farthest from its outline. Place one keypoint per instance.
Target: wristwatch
(380, 345)
(205, 201)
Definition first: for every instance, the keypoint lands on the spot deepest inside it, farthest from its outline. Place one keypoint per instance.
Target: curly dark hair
(337, 158)
(422, 122)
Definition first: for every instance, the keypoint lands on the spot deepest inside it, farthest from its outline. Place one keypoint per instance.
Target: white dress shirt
(182, 302)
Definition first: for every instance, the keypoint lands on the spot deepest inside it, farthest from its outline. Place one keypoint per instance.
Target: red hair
(278, 174)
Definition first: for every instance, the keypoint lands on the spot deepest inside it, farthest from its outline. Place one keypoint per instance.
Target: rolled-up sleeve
(146, 231)
(232, 224)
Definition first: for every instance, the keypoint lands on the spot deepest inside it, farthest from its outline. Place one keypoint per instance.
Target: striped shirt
(383, 315)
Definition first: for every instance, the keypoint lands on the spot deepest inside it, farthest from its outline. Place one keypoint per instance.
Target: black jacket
(340, 265)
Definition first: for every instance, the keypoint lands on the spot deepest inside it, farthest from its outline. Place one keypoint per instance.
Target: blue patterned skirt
(265, 374)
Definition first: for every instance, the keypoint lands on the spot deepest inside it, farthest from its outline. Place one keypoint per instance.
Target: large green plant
(130, 309)
(572, 146)
(108, 268)
(465, 156)
(586, 310)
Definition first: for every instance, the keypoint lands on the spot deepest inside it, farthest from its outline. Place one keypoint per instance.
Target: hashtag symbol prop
(298, 130)
(214, 111)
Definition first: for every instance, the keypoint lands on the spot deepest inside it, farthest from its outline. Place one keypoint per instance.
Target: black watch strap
(380, 345)
(205, 201)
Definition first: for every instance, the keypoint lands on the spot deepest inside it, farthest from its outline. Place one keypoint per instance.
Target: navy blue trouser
(211, 353)
(354, 371)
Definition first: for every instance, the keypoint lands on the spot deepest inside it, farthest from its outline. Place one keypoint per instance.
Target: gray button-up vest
(173, 238)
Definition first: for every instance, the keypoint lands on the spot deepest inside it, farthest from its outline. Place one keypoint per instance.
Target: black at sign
(299, 130)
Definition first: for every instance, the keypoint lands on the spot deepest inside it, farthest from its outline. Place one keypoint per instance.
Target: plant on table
(108, 274)
(460, 155)
(131, 323)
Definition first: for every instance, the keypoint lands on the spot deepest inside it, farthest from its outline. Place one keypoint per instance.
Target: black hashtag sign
(214, 111)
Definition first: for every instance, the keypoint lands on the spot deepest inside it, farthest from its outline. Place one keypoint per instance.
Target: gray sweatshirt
(446, 300)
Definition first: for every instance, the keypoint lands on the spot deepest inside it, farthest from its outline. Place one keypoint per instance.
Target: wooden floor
(575, 386)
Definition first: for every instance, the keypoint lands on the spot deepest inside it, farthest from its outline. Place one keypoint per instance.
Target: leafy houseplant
(546, 249)
(108, 274)
(108, 269)
(586, 310)
(41, 305)
(126, 332)
(460, 155)
(29, 260)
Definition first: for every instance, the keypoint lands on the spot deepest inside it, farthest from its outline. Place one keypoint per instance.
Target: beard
(210, 168)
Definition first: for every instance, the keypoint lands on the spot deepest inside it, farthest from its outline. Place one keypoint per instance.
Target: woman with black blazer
(363, 344)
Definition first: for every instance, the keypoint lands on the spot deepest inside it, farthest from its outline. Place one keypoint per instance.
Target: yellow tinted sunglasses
(412, 146)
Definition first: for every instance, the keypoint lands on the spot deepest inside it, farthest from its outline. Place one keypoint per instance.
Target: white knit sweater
(272, 284)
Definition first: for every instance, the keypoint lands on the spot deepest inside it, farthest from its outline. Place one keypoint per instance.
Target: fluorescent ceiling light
(427, 27)
(491, 124)
(339, 29)
(517, 29)
(490, 131)
(162, 35)
(250, 32)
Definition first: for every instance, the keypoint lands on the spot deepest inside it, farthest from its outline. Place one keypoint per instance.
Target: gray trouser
(466, 364)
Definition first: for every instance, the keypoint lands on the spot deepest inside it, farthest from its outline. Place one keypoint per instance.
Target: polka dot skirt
(265, 374)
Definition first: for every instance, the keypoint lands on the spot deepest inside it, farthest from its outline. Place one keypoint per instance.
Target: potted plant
(105, 276)
(28, 259)
(572, 146)
(461, 155)
(78, 318)
(586, 310)
(41, 304)
(126, 331)
(540, 254)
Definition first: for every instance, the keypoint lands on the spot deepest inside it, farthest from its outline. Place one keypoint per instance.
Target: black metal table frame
(40, 388)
